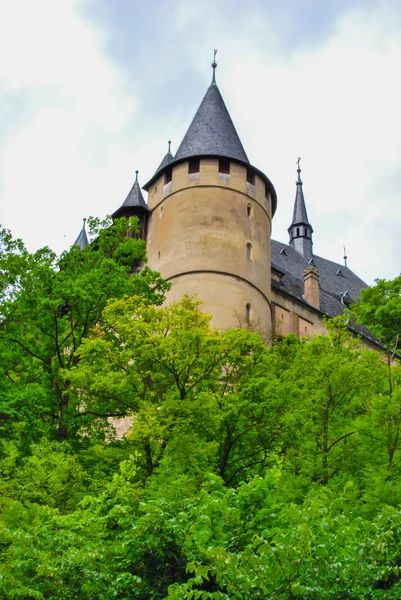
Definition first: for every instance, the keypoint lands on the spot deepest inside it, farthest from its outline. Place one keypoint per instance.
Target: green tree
(49, 305)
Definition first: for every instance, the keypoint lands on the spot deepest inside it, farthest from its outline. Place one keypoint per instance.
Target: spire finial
(214, 65)
(345, 257)
(136, 175)
(169, 147)
(299, 170)
(84, 221)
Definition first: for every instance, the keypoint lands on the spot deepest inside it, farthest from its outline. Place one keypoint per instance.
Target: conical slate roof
(133, 200)
(169, 158)
(212, 132)
(300, 216)
(82, 239)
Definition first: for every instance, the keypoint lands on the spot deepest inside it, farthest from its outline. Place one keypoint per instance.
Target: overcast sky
(91, 90)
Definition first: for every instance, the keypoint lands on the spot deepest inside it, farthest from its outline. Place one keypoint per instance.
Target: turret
(135, 206)
(300, 229)
(209, 232)
(82, 239)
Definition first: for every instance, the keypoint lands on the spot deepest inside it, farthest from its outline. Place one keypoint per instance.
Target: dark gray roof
(300, 216)
(334, 280)
(133, 200)
(169, 158)
(82, 239)
(212, 132)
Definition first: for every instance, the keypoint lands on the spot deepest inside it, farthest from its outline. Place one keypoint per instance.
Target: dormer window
(250, 176)
(193, 166)
(224, 166)
(168, 176)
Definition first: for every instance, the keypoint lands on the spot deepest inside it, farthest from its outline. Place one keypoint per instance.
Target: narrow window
(297, 231)
(158, 254)
(250, 176)
(168, 176)
(249, 251)
(306, 232)
(266, 192)
(193, 166)
(161, 210)
(224, 166)
(249, 210)
(248, 314)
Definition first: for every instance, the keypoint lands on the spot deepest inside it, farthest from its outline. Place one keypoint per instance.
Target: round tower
(210, 225)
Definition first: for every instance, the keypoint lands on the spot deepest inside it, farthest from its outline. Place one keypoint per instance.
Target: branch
(342, 437)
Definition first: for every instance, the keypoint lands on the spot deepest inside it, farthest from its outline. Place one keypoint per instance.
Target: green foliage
(248, 473)
(48, 306)
(379, 308)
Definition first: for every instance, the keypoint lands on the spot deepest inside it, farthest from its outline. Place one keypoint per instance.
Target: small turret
(82, 239)
(134, 206)
(300, 229)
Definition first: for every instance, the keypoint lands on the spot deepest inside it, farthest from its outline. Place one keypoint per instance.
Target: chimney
(311, 286)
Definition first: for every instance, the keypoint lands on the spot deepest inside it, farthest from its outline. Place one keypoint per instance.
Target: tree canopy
(248, 472)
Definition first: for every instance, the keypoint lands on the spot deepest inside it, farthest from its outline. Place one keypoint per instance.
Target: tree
(194, 393)
(49, 305)
(379, 308)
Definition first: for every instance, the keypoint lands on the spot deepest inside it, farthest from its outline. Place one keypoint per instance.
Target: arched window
(249, 210)
(297, 231)
(249, 251)
(248, 314)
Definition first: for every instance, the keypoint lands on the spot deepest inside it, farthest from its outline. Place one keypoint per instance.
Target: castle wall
(209, 234)
(292, 317)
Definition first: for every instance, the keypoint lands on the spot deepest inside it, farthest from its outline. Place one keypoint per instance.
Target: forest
(250, 471)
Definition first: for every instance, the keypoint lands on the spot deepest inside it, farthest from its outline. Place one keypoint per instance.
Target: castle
(207, 223)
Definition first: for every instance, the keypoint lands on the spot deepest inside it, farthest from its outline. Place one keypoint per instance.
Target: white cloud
(336, 105)
(67, 106)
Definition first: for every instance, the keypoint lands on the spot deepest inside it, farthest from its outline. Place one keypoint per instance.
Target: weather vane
(214, 65)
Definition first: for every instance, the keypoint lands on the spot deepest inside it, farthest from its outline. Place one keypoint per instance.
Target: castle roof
(134, 199)
(168, 158)
(82, 239)
(212, 132)
(337, 282)
(300, 216)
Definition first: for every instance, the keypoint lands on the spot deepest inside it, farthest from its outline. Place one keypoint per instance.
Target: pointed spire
(166, 160)
(300, 229)
(214, 65)
(133, 200)
(212, 132)
(82, 239)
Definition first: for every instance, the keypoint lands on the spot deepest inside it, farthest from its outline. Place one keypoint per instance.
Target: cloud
(65, 106)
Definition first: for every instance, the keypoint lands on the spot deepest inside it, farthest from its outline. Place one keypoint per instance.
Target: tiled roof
(334, 280)
(134, 199)
(82, 239)
(212, 132)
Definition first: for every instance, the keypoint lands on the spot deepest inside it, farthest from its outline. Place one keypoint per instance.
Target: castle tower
(135, 206)
(300, 229)
(210, 226)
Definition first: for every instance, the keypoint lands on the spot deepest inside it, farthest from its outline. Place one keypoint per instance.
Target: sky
(91, 90)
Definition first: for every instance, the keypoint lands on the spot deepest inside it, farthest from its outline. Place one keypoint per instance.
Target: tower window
(249, 210)
(306, 232)
(249, 251)
(250, 176)
(224, 166)
(248, 314)
(297, 231)
(193, 166)
(168, 176)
